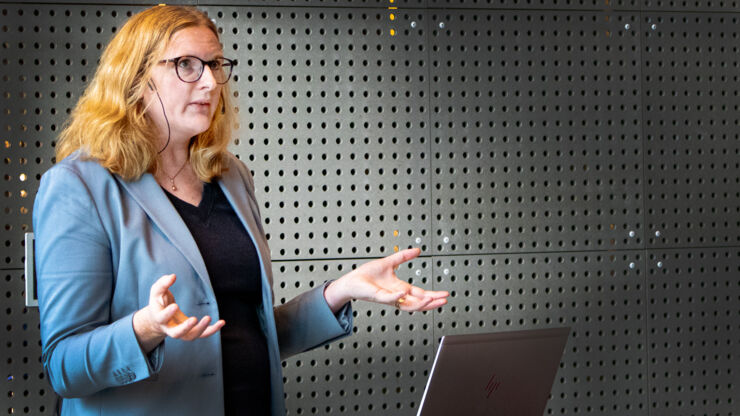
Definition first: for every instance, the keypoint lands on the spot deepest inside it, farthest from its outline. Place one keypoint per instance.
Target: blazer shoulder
(234, 163)
(88, 170)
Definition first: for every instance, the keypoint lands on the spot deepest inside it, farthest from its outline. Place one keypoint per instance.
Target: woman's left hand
(376, 281)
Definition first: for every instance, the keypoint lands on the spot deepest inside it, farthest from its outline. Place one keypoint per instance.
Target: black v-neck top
(233, 267)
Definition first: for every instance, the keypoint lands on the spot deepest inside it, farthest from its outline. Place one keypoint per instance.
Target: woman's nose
(207, 79)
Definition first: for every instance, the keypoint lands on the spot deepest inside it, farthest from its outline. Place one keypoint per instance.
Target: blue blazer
(101, 242)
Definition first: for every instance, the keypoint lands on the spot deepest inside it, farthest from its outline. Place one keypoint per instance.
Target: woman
(144, 195)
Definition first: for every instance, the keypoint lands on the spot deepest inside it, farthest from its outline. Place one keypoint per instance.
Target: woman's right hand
(163, 318)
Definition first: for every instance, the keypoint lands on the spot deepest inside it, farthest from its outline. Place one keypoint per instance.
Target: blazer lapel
(150, 196)
(235, 189)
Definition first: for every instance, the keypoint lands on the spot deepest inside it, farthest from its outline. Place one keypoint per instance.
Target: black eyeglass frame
(227, 63)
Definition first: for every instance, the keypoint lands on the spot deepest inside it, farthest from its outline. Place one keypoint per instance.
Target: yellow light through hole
(393, 32)
(393, 16)
(395, 249)
(23, 177)
(395, 233)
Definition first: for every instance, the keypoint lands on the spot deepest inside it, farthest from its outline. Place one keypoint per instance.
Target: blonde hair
(109, 123)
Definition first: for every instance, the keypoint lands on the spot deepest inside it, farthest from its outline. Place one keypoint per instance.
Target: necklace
(172, 178)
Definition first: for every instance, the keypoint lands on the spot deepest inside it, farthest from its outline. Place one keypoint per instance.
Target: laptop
(504, 373)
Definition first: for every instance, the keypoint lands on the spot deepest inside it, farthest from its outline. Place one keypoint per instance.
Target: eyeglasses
(190, 68)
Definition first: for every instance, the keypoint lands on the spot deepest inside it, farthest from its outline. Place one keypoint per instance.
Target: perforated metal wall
(561, 163)
(691, 68)
(693, 331)
(536, 132)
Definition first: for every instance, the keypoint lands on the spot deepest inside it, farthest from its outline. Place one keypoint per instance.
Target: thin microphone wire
(165, 119)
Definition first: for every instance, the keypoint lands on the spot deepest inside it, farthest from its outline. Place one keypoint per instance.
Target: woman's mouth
(201, 105)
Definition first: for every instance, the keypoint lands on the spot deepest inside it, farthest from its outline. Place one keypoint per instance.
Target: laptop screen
(504, 373)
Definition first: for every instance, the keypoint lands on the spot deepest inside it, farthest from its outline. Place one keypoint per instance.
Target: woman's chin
(198, 128)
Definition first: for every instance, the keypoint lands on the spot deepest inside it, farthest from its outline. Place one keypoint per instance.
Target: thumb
(162, 284)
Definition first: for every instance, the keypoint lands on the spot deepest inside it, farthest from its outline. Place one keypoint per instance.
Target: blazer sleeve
(82, 350)
(306, 322)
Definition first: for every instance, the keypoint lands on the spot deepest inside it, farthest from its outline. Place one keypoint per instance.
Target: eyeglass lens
(190, 69)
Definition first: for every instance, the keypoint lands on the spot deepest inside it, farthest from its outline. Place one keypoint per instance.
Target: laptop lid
(504, 373)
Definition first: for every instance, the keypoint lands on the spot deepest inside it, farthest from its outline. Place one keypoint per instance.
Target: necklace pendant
(172, 178)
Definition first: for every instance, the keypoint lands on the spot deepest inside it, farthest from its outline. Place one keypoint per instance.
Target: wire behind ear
(151, 87)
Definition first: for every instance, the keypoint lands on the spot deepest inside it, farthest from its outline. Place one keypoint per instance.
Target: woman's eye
(185, 63)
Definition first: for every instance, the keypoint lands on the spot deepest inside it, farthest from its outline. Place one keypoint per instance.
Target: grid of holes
(694, 331)
(537, 4)
(381, 369)
(319, 3)
(598, 295)
(690, 66)
(536, 142)
(25, 389)
(334, 126)
(48, 54)
(53, 107)
(692, 5)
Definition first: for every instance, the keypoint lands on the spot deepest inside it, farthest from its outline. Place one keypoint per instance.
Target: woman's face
(189, 106)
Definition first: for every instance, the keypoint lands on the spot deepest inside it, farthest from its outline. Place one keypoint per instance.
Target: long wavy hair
(109, 122)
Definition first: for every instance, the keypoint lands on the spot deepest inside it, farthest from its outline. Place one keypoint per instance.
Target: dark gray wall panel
(48, 54)
(599, 295)
(536, 141)
(325, 4)
(121, 3)
(694, 331)
(691, 5)
(690, 64)
(467, 133)
(381, 369)
(334, 125)
(25, 390)
(537, 4)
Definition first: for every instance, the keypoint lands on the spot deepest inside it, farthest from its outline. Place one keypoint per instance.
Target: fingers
(177, 318)
(403, 256)
(193, 329)
(197, 329)
(179, 331)
(412, 303)
(171, 321)
(388, 297)
(438, 294)
(167, 314)
(425, 304)
(419, 299)
(176, 324)
(420, 293)
(434, 304)
(213, 329)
